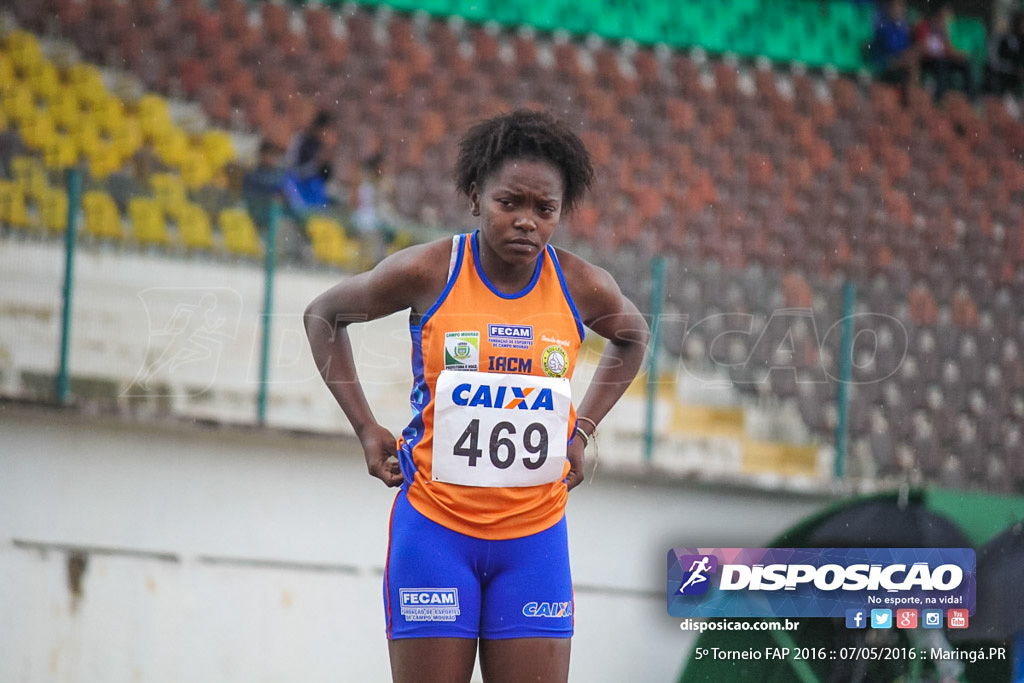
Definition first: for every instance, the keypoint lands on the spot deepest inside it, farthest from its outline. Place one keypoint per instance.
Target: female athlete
(477, 554)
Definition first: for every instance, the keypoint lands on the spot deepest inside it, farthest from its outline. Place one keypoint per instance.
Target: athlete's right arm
(407, 279)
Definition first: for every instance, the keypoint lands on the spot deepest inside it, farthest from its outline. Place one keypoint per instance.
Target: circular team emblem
(462, 350)
(555, 362)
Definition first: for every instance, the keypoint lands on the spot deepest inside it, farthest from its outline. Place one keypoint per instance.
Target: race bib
(499, 430)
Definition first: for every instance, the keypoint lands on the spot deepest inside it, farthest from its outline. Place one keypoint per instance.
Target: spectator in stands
(891, 51)
(270, 181)
(1004, 71)
(939, 59)
(309, 158)
(369, 201)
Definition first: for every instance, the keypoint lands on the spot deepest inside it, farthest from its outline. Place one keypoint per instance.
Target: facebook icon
(856, 618)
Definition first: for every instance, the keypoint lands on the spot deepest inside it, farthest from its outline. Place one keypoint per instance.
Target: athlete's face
(519, 206)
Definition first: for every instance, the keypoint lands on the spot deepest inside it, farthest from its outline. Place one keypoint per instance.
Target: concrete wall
(244, 555)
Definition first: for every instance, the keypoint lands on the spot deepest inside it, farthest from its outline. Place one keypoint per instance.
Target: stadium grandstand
(768, 186)
(842, 263)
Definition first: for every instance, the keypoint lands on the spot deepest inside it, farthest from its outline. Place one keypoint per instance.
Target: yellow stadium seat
(329, 242)
(13, 211)
(154, 117)
(61, 153)
(25, 51)
(39, 131)
(172, 148)
(110, 114)
(127, 138)
(104, 160)
(194, 227)
(30, 176)
(195, 170)
(102, 219)
(148, 222)
(169, 190)
(218, 148)
(7, 76)
(53, 209)
(4, 123)
(239, 232)
(45, 80)
(65, 109)
(87, 83)
(87, 137)
(18, 103)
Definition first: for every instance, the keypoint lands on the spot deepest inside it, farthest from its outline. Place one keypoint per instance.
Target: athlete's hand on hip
(574, 453)
(381, 453)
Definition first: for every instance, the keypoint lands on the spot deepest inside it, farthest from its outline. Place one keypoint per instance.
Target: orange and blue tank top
(499, 358)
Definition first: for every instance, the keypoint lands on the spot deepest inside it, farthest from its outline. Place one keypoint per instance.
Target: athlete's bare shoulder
(419, 272)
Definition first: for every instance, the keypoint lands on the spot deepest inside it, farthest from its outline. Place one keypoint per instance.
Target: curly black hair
(524, 133)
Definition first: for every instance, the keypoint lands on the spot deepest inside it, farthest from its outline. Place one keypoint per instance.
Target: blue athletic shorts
(439, 583)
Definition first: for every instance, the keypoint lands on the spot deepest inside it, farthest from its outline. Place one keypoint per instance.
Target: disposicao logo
(807, 582)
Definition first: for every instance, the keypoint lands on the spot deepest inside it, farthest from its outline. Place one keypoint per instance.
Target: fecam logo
(695, 580)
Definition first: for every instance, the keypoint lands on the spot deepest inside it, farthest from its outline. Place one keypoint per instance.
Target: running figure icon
(697, 569)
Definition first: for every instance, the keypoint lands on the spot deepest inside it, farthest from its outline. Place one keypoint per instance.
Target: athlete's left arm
(606, 311)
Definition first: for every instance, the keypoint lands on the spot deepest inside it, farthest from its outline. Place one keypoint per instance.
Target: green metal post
(845, 375)
(269, 265)
(657, 294)
(74, 179)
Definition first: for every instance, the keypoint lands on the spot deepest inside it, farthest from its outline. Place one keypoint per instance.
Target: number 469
(500, 448)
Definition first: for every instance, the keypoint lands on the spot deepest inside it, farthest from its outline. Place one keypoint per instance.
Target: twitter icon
(881, 618)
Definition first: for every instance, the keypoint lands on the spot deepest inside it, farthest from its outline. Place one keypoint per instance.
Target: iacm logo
(547, 609)
(504, 397)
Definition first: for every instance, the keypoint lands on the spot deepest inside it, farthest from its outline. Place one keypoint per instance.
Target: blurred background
(818, 204)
